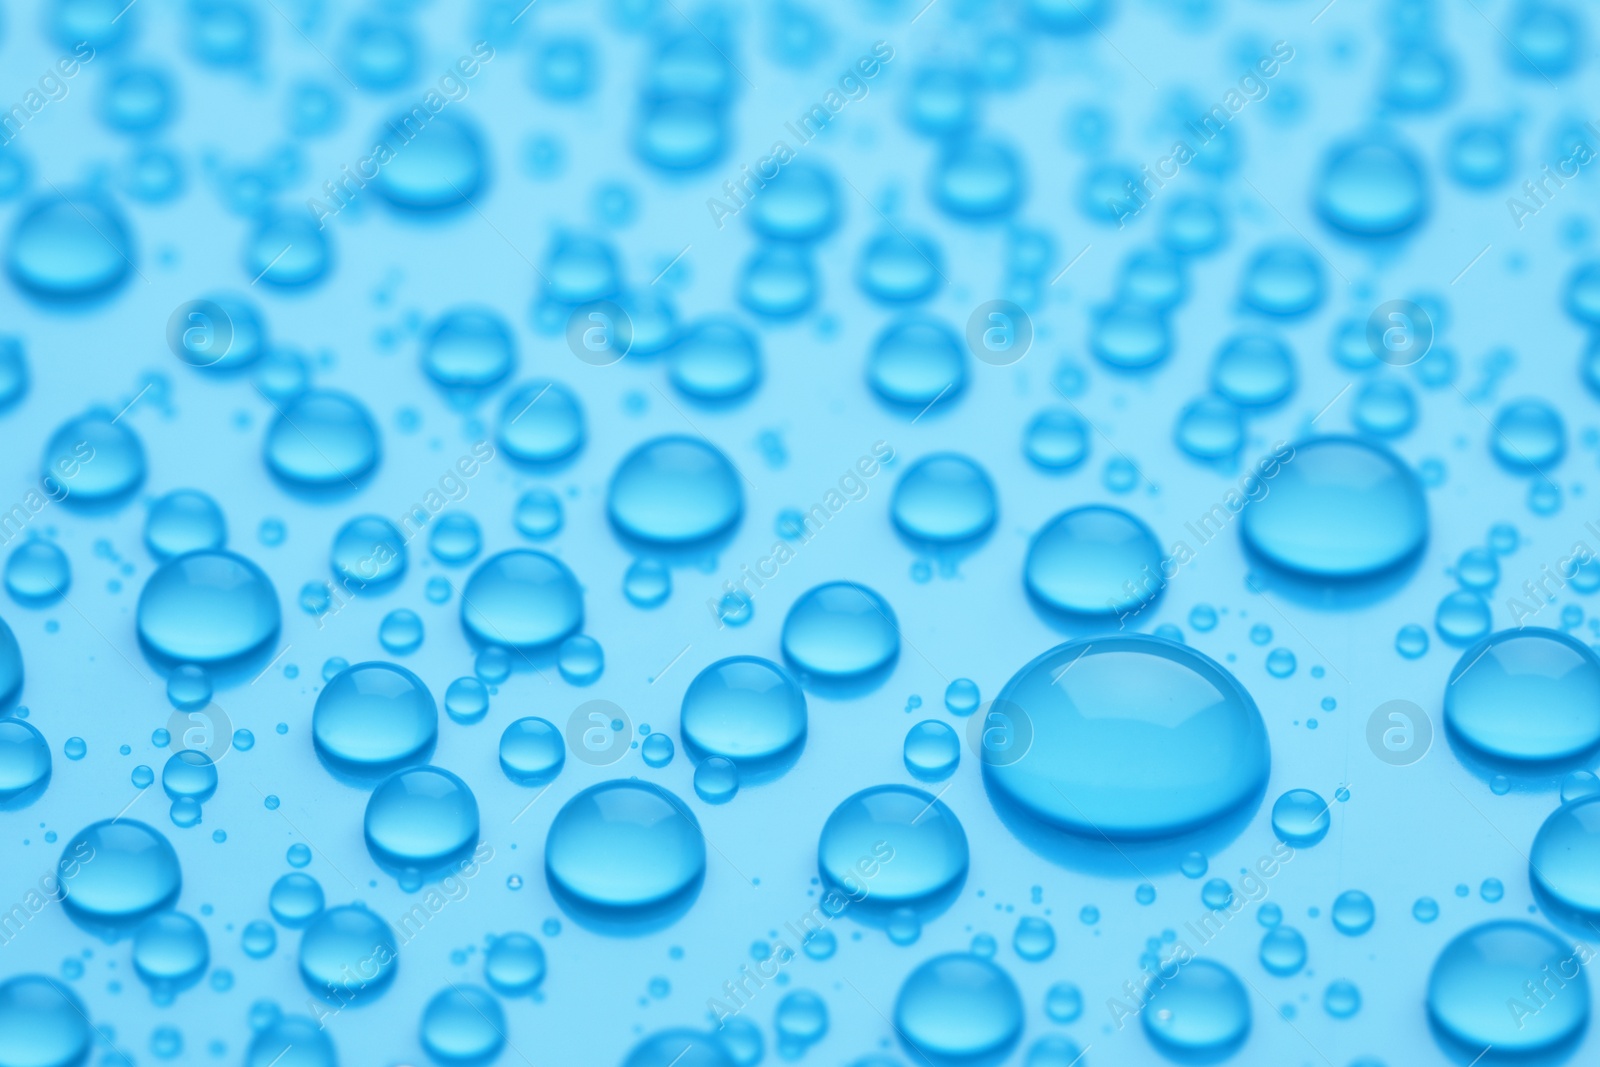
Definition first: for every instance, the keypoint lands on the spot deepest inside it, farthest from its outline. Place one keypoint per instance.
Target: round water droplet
(1203, 1012)
(455, 539)
(1353, 913)
(959, 1008)
(840, 630)
(1210, 429)
(801, 204)
(521, 599)
(538, 514)
(1253, 370)
(976, 178)
(134, 873)
(932, 750)
(716, 780)
(295, 899)
(532, 751)
(1371, 188)
(680, 1048)
(1283, 951)
(1127, 336)
(674, 491)
(69, 248)
(1284, 281)
(944, 498)
(348, 955)
(1083, 561)
(581, 660)
(436, 167)
(925, 840)
(1485, 968)
(916, 362)
(745, 709)
(421, 819)
(1528, 436)
(1300, 818)
(92, 460)
(291, 1041)
(24, 762)
(185, 520)
(470, 348)
(289, 250)
(369, 553)
(1056, 440)
(208, 607)
(647, 583)
(37, 573)
(1141, 704)
(625, 850)
(189, 773)
(400, 632)
(1034, 940)
(896, 269)
(463, 1025)
(170, 951)
(716, 361)
(657, 750)
(323, 440)
(42, 1024)
(1339, 508)
(1529, 694)
(514, 965)
(541, 422)
(466, 701)
(374, 718)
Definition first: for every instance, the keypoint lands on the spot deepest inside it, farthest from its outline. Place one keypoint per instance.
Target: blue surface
(220, 206)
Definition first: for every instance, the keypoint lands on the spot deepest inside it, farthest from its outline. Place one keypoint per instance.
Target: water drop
(348, 955)
(907, 845)
(1134, 702)
(208, 607)
(1529, 694)
(185, 520)
(1339, 508)
(959, 1008)
(421, 819)
(374, 718)
(944, 498)
(674, 491)
(625, 850)
(1082, 561)
(1300, 818)
(531, 751)
(133, 874)
(840, 631)
(1486, 967)
(323, 440)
